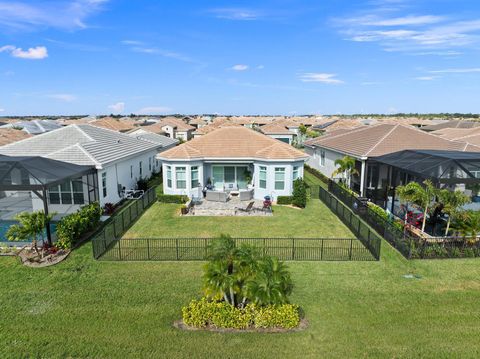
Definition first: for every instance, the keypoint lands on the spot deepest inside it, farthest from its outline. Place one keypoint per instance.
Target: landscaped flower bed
(244, 291)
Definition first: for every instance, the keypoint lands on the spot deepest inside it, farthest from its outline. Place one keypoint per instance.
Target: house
(279, 132)
(172, 127)
(369, 142)
(232, 158)
(120, 161)
(451, 124)
(123, 124)
(34, 127)
(145, 135)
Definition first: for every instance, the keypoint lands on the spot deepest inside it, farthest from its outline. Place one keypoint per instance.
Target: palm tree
(452, 201)
(345, 168)
(271, 284)
(468, 225)
(31, 227)
(422, 196)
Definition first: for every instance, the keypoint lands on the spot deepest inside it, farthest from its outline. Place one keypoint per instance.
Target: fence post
(176, 246)
(148, 248)
(321, 251)
(264, 247)
(351, 248)
(119, 251)
(114, 228)
(205, 248)
(123, 221)
(293, 249)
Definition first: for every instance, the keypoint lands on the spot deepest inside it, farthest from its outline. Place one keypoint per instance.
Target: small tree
(299, 194)
(452, 201)
(422, 196)
(31, 227)
(468, 225)
(345, 168)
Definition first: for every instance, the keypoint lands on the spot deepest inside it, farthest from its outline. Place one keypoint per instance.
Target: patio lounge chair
(247, 209)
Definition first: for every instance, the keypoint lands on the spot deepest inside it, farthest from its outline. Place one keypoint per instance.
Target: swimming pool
(5, 225)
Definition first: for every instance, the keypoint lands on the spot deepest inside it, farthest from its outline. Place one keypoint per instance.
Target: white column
(362, 179)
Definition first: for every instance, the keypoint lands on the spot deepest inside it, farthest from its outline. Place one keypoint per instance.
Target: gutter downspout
(362, 179)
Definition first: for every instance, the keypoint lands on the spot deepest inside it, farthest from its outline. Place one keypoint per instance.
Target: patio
(232, 207)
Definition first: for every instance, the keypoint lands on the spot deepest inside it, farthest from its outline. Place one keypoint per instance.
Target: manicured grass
(311, 180)
(84, 308)
(163, 220)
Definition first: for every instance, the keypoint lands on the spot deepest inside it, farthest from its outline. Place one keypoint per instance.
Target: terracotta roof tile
(234, 142)
(11, 135)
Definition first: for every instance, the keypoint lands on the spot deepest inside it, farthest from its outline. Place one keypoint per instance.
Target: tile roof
(145, 135)
(34, 127)
(275, 129)
(177, 123)
(456, 133)
(234, 142)
(452, 124)
(115, 124)
(80, 144)
(10, 135)
(377, 140)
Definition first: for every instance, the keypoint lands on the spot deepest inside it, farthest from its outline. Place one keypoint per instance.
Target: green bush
(316, 173)
(172, 198)
(299, 193)
(204, 313)
(384, 215)
(71, 228)
(284, 199)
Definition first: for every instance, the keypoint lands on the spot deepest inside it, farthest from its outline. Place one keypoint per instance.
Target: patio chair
(247, 209)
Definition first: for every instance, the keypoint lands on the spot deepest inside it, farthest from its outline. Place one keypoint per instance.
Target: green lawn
(163, 220)
(84, 308)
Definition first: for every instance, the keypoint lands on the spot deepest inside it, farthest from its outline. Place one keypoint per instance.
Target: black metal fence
(191, 249)
(119, 223)
(409, 246)
(365, 235)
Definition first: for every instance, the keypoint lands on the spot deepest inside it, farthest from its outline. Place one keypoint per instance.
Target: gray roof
(165, 141)
(35, 127)
(81, 144)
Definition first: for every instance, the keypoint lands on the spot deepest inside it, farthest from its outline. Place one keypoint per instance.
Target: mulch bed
(179, 324)
(30, 258)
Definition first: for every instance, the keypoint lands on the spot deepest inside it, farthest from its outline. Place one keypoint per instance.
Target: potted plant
(184, 209)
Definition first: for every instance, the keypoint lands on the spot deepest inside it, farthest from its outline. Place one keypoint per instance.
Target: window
(279, 178)
(54, 195)
(180, 174)
(169, 177)
(77, 190)
(194, 177)
(263, 177)
(150, 164)
(66, 192)
(104, 184)
(140, 169)
(322, 157)
(295, 172)
(131, 171)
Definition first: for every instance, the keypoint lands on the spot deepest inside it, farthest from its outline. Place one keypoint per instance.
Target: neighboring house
(123, 124)
(119, 159)
(369, 142)
(164, 141)
(10, 135)
(34, 127)
(451, 124)
(174, 128)
(468, 135)
(279, 132)
(232, 158)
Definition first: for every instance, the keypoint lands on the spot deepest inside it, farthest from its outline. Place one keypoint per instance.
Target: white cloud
(260, 67)
(240, 67)
(65, 14)
(33, 53)
(397, 21)
(63, 97)
(456, 71)
(154, 110)
(162, 52)
(236, 14)
(426, 78)
(118, 107)
(2, 110)
(320, 77)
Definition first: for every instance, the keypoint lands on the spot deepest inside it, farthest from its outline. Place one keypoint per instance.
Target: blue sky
(245, 57)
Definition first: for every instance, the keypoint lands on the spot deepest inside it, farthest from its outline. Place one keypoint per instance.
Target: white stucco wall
(330, 158)
(278, 137)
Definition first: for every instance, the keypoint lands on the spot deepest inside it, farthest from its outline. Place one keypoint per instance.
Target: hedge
(172, 198)
(205, 313)
(73, 227)
(299, 194)
(284, 199)
(317, 174)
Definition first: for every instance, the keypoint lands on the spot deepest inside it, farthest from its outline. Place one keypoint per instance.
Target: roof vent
(118, 141)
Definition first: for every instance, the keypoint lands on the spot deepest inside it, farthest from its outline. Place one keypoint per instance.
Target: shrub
(142, 184)
(299, 195)
(204, 313)
(109, 208)
(284, 199)
(172, 198)
(380, 212)
(468, 253)
(316, 173)
(71, 228)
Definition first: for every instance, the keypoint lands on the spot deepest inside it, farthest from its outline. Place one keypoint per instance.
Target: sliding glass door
(229, 177)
